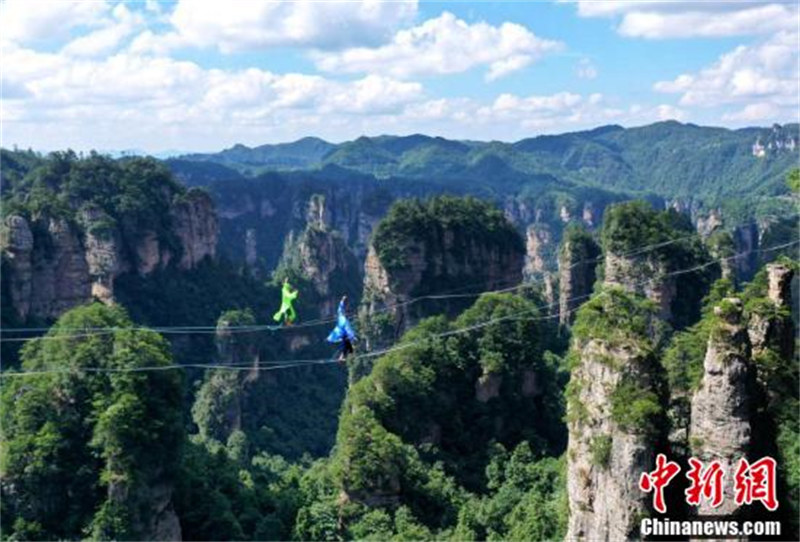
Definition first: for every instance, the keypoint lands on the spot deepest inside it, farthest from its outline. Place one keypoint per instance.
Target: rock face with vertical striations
(461, 246)
(721, 424)
(321, 255)
(577, 261)
(613, 415)
(538, 243)
(60, 278)
(774, 329)
(17, 246)
(103, 252)
(658, 255)
(645, 277)
(53, 264)
(195, 224)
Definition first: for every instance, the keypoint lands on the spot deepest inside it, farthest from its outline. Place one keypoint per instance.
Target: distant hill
(669, 159)
(303, 153)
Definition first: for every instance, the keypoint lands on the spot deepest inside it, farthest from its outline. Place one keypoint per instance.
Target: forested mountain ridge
(668, 158)
(734, 179)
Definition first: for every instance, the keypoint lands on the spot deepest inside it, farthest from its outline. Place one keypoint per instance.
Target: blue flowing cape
(343, 329)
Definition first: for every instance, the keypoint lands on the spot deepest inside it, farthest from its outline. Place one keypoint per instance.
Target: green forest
(180, 409)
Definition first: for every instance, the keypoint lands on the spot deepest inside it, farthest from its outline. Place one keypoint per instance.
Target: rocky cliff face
(577, 261)
(47, 271)
(539, 245)
(17, 245)
(453, 262)
(321, 255)
(256, 221)
(605, 458)
(746, 240)
(614, 415)
(195, 224)
(774, 330)
(153, 515)
(722, 406)
(326, 259)
(333, 269)
(643, 276)
(52, 265)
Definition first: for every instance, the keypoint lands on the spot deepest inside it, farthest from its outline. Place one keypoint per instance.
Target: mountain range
(668, 159)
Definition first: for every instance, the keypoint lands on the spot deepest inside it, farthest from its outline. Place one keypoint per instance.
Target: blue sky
(196, 76)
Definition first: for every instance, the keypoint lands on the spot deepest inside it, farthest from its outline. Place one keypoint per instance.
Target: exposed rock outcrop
(322, 255)
(326, 259)
(17, 246)
(721, 407)
(577, 261)
(152, 513)
(52, 264)
(451, 260)
(643, 276)
(195, 224)
(706, 225)
(605, 459)
(103, 252)
(746, 240)
(60, 278)
(256, 224)
(615, 415)
(589, 214)
(538, 249)
(773, 328)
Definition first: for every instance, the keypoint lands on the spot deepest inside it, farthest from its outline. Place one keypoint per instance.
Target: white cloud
(670, 112)
(586, 69)
(444, 45)
(132, 101)
(753, 76)
(102, 77)
(131, 89)
(757, 112)
(148, 42)
(26, 21)
(108, 38)
(541, 104)
(700, 18)
(241, 25)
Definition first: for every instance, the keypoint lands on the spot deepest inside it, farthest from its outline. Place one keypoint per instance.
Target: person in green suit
(287, 312)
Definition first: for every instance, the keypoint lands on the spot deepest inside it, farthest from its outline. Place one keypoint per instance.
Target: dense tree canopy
(84, 440)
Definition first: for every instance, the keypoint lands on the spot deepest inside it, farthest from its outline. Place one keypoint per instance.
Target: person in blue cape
(343, 333)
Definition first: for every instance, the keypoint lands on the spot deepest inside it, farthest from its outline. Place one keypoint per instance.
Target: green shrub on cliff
(620, 318)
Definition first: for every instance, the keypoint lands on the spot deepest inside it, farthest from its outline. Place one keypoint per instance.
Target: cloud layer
(761, 78)
(200, 75)
(699, 18)
(445, 45)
